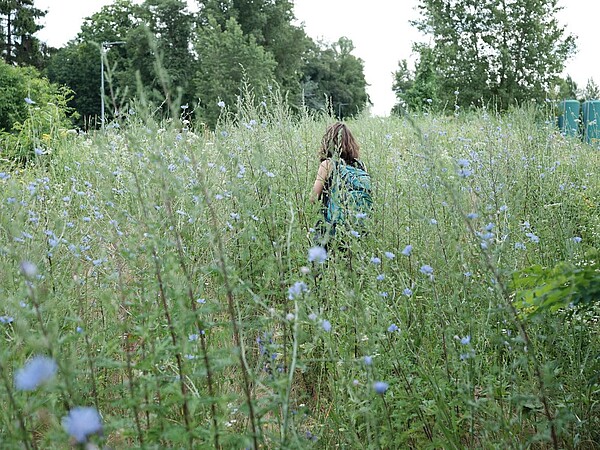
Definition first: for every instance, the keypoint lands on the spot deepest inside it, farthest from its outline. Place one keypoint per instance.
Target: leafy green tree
(270, 24)
(22, 87)
(319, 76)
(15, 88)
(500, 51)
(118, 22)
(421, 89)
(77, 65)
(591, 91)
(165, 50)
(568, 88)
(403, 81)
(334, 78)
(18, 24)
(563, 89)
(112, 23)
(155, 55)
(172, 53)
(228, 58)
(30, 108)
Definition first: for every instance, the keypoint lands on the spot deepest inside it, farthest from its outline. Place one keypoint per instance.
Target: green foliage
(495, 51)
(172, 286)
(421, 91)
(403, 81)
(321, 77)
(157, 63)
(111, 23)
(229, 59)
(15, 87)
(564, 89)
(18, 24)
(334, 80)
(46, 125)
(32, 112)
(591, 91)
(567, 285)
(269, 23)
(165, 49)
(154, 63)
(77, 65)
(124, 21)
(18, 84)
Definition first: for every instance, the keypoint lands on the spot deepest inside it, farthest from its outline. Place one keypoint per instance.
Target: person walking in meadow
(343, 186)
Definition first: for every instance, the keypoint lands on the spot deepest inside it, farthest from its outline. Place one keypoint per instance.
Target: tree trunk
(8, 57)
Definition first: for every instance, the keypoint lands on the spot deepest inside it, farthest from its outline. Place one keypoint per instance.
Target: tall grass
(159, 261)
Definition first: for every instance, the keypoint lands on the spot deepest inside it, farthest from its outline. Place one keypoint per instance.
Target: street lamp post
(340, 109)
(104, 46)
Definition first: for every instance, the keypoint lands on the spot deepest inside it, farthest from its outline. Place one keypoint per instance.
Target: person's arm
(322, 175)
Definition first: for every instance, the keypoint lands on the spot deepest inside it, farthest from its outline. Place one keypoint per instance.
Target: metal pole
(102, 86)
(103, 46)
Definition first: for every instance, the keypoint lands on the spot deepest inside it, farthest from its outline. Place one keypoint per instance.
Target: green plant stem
(17, 410)
(231, 309)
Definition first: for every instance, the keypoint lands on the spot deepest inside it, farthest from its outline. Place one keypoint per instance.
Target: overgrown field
(161, 276)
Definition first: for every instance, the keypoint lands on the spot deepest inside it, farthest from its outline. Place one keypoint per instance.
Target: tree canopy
(333, 78)
(206, 57)
(492, 51)
(18, 23)
(228, 58)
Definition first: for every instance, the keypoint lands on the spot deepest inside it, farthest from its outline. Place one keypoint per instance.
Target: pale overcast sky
(379, 29)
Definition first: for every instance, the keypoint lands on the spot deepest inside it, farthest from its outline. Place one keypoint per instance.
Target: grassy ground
(163, 258)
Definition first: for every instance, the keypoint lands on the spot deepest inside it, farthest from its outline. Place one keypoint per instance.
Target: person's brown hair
(338, 142)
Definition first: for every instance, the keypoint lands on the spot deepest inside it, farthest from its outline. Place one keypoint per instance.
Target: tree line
(499, 53)
(165, 52)
(480, 53)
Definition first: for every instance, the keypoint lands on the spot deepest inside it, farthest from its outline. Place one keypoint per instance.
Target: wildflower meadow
(161, 287)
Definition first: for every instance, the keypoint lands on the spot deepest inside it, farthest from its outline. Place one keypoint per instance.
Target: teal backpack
(350, 197)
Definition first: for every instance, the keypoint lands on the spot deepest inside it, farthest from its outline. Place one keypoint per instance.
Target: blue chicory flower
(297, 289)
(380, 387)
(317, 254)
(82, 422)
(28, 269)
(36, 371)
(426, 269)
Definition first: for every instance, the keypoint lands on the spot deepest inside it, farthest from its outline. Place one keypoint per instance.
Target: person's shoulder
(326, 163)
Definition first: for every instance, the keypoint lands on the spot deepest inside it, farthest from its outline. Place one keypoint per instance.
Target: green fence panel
(591, 122)
(568, 119)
